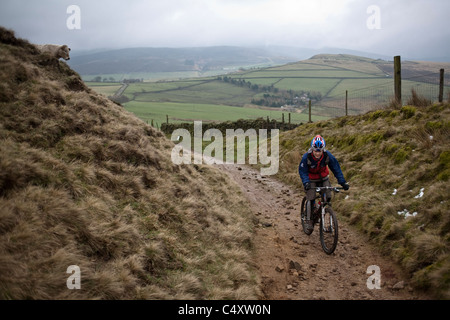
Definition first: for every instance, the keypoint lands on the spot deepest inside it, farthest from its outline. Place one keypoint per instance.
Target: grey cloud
(414, 28)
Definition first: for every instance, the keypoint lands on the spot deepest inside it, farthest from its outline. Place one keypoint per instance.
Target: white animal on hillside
(58, 51)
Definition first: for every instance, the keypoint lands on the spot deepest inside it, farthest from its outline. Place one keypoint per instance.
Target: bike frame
(326, 218)
(322, 196)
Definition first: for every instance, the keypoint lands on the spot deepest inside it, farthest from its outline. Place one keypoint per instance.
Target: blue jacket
(310, 164)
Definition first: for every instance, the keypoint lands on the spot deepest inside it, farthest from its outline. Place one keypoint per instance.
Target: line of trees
(100, 79)
(274, 97)
(112, 79)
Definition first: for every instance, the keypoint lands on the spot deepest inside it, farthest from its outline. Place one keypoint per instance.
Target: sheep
(55, 50)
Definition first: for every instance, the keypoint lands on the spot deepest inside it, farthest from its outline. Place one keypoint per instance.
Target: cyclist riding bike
(313, 170)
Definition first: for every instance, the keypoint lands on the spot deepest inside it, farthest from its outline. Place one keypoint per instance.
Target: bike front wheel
(329, 231)
(306, 205)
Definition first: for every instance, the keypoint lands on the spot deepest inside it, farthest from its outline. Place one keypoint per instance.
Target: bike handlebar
(335, 189)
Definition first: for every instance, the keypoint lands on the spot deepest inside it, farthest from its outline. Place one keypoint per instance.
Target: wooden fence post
(289, 118)
(310, 110)
(398, 80)
(441, 86)
(282, 118)
(167, 118)
(346, 102)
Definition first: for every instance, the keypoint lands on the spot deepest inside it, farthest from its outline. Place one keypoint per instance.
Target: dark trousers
(311, 194)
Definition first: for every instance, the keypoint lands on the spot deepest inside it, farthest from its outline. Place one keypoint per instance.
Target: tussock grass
(389, 156)
(84, 182)
(418, 100)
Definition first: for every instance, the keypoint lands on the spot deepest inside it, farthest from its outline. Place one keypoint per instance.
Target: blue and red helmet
(318, 143)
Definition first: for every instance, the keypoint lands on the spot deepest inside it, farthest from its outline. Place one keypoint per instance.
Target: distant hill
(418, 70)
(201, 59)
(172, 59)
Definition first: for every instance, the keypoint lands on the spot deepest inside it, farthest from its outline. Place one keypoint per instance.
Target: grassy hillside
(398, 164)
(84, 182)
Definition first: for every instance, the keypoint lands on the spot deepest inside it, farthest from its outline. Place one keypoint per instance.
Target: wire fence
(379, 94)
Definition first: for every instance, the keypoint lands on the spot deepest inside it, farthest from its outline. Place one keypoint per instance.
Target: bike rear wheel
(303, 216)
(329, 231)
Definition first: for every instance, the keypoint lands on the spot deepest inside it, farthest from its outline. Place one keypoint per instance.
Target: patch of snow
(410, 215)
(420, 195)
(405, 213)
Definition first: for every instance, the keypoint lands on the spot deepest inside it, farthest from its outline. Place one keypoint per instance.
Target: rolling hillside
(324, 79)
(85, 183)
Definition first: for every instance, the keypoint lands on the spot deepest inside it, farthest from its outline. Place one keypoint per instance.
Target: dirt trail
(293, 266)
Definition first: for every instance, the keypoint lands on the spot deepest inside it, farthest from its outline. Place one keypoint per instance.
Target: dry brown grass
(83, 182)
(418, 100)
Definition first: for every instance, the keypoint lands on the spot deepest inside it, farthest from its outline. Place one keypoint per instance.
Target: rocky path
(293, 265)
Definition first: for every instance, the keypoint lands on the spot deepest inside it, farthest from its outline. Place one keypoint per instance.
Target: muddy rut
(293, 266)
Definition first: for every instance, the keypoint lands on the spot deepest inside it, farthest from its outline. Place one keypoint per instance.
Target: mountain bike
(322, 214)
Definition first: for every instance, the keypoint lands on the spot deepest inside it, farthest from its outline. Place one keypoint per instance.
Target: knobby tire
(329, 245)
(305, 203)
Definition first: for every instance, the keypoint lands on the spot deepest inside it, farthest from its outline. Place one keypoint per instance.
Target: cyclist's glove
(307, 186)
(346, 186)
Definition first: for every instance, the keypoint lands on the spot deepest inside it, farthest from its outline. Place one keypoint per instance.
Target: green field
(323, 79)
(202, 92)
(154, 76)
(185, 112)
(107, 89)
(329, 77)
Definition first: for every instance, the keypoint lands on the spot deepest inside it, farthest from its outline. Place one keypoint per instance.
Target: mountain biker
(313, 170)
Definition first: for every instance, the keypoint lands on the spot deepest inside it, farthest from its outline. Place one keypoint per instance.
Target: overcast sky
(411, 28)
